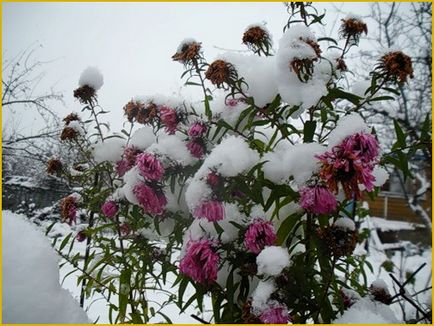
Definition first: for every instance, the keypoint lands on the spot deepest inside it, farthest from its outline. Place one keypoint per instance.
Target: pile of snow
(288, 160)
(272, 260)
(31, 289)
(345, 224)
(366, 311)
(110, 150)
(227, 109)
(92, 77)
(347, 126)
(76, 125)
(142, 138)
(173, 148)
(262, 293)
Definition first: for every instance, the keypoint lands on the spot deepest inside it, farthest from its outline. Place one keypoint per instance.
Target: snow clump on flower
(92, 77)
(272, 260)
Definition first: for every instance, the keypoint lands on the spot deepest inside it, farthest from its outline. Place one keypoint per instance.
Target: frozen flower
(54, 166)
(140, 112)
(200, 262)
(68, 209)
(109, 208)
(352, 28)
(71, 117)
(220, 72)
(396, 66)
(169, 119)
(197, 129)
(150, 167)
(128, 161)
(211, 210)
(132, 109)
(303, 66)
(350, 163)
(380, 292)
(257, 39)
(149, 200)
(232, 102)
(68, 133)
(188, 51)
(122, 167)
(260, 233)
(338, 240)
(317, 200)
(85, 94)
(213, 179)
(196, 147)
(277, 313)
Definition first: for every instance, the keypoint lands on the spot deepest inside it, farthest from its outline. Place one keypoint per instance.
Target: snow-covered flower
(317, 200)
(196, 147)
(90, 81)
(272, 260)
(151, 201)
(213, 179)
(221, 72)
(260, 233)
(352, 28)
(187, 51)
(54, 166)
(109, 208)
(200, 261)
(150, 166)
(169, 119)
(211, 210)
(276, 313)
(197, 129)
(257, 38)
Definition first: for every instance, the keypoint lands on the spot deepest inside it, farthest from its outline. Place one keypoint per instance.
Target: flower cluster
(196, 145)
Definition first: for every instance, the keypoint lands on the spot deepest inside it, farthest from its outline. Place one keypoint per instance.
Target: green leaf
(286, 227)
(65, 241)
(309, 131)
(399, 134)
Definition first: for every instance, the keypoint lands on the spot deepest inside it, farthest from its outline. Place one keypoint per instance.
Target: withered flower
(303, 68)
(220, 72)
(339, 242)
(85, 94)
(396, 66)
(380, 294)
(68, 133)
(257, 39)
(147, 113)
(54, 166)
(352, 29)
(71, 117)
(341, 65)
(187, 52)
(68, 209)
(132, 109)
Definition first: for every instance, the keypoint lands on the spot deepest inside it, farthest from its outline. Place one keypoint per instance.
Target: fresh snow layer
(142, 138)
(31, 289)
(92, 77)
(272, 260)
(345, 223)
(347, 126)
(262, 293)
(110, 150)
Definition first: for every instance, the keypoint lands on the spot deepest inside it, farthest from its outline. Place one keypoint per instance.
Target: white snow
(31, 289)
(366, 311)
(360, 87)
(110, 150)
(345, 223)
(380, 175)
(262, 293)
(131, 179)
(173, 148)
(380, 284)
(272, 260)
(346, 126)
(197, 191)
(142, 138)
(76, 125)
(184, 42)
(92, 77)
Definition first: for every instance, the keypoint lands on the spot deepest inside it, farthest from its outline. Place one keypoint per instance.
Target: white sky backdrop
(131, 43)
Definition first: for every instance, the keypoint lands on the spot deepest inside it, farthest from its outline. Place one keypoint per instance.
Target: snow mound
(272, 260)
(110, 150)
(31, 289)
(347, 126)
(92, 77)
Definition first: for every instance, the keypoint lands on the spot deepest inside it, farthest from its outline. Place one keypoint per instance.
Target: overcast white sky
(131, 43)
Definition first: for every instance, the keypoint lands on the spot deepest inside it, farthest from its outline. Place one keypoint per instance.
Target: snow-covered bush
(245, 194)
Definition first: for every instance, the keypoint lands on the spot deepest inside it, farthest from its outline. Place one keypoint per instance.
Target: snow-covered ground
(401, 262)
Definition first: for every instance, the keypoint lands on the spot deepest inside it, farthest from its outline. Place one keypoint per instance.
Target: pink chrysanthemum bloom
(260, 233)
(197, 129)
(80, 236)
(212, 179)
(122, 167)
(200, 262)
(350, 163)
(232, 102)
(109, 208)
(275, 314)
(128, 161)
(212, 210)
(169, 119)
(150, 167)
(196, 147)
(317, 200)
(149, 200)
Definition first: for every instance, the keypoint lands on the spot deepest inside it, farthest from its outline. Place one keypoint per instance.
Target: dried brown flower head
(54, 166)
(303, 68)
(220, 72)
(338, 241)
(380, 294)
(187, 52)
(68, 133)
(257, 39)
(71, 117)
(85, 94)
(132, 109)
(147, 113)
(396, 66)
(341, 65)
(352, 29)
(68, 208)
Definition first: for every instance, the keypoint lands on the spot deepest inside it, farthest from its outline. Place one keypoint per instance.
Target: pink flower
(197, 129)
(212, 210)
(125, 229)
(200, 262)
(259, 234)
(81, 236)
(122, 167)
(196, 148)
(350, 163)
(109, 208)
(317, 200)
(212, 179)
(150, 167)
(149, 200)
(128, 161)
(169, 119)
(232, 102)
(276, 314)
